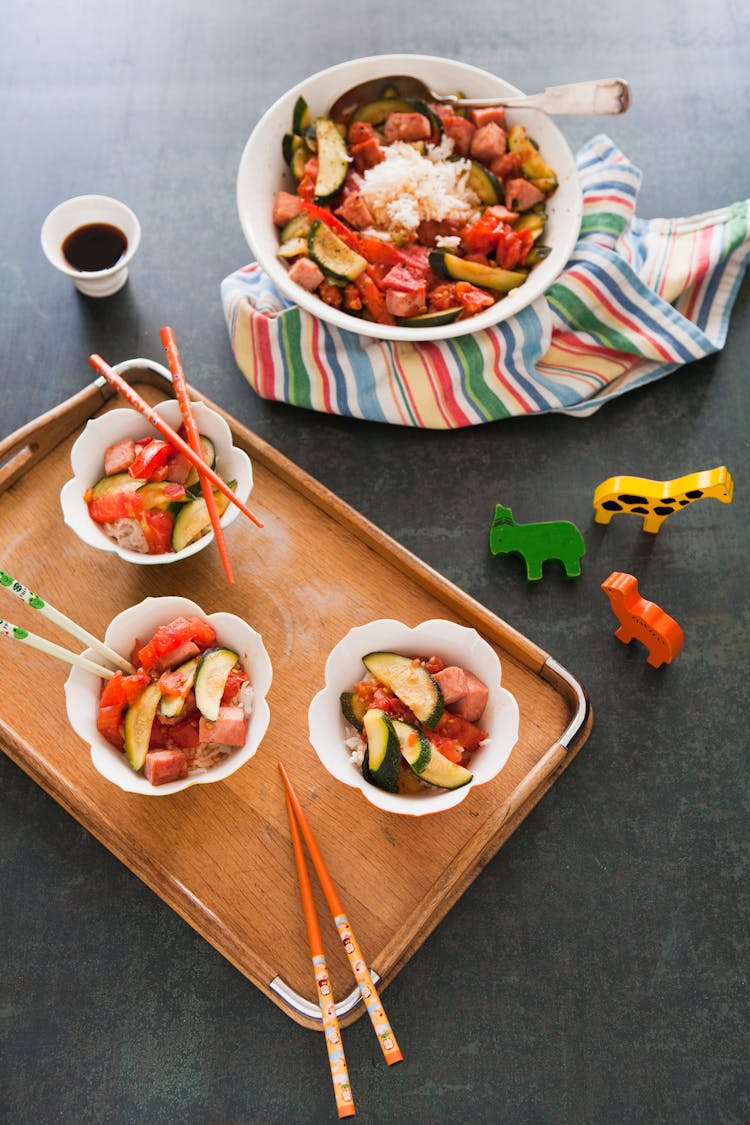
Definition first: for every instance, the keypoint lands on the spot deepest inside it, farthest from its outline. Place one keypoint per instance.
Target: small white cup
(78, 212)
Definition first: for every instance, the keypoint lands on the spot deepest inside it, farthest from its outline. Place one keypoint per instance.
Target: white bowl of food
(424, 186)
(134, 494)
(413, 718)
(193, 712)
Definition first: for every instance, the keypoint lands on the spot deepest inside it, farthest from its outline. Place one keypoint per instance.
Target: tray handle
(21, 450)
(311, 1011)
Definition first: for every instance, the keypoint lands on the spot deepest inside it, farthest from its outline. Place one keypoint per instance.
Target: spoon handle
(608, 95)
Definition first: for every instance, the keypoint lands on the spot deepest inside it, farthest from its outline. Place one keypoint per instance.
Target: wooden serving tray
(220, 855)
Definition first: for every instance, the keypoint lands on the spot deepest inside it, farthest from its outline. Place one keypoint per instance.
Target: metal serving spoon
(605, 96)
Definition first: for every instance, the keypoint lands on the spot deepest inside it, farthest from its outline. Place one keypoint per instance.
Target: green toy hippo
(537, 542)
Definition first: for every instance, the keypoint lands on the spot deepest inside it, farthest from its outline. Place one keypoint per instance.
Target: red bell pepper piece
(150, 458)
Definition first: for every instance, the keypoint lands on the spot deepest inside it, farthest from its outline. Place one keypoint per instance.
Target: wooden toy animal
(537, 542)
(657, 499)
(643, 620)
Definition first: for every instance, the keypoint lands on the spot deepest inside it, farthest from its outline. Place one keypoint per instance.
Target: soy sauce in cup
(94, 246)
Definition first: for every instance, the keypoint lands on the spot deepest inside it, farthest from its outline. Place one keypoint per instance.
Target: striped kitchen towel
(638, 299)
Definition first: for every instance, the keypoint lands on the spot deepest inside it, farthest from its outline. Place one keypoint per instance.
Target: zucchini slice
(375, 112)
(333, 160)
(333, 256)
(488, 277)
(209, 456)
(297, 227)
(300, 116)
(292, 248)
(382, 761)
(171, 705)
(118, 482)
(410, 681)
(155, 494)
(431, 319)
(484, 184)
(290, 143)
(139, 718)
(353, 708)
(426, 760)
(533, 166)
(192, 521)
(531, 220)
(211, 679)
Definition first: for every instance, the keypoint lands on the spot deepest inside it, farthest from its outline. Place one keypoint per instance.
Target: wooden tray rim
(28, 445)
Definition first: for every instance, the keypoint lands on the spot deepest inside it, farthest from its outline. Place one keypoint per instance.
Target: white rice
(407, 188)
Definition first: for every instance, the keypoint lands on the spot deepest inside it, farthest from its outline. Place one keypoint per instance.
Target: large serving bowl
(83, 690)
(456, 645)
(263, 172)
(87, 461)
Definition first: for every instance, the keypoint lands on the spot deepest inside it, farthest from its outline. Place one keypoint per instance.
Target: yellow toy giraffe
(655, 500)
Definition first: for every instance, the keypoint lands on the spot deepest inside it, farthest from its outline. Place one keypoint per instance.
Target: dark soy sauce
(94, 246)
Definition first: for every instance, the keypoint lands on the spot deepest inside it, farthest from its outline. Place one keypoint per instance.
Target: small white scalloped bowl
(83, 690)
(87, 461)
(453, 643)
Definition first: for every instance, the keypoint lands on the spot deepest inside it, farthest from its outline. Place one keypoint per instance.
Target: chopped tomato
(169, 637)
(461, 730)
(373, 299)
(448, 747)
(512, 247)
(443, 296)
(174, 683)
(472, 298)
(360, 131)
(481, 236)
(179, 736)
(306, 188)
(115, 506)
(157, 528)
(118, 693)
(236, 678)
(434, 664)
(153, 455)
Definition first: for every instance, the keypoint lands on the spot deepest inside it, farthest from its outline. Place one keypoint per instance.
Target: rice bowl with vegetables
(134, 494)
(408, 220)
(384, 727)
(193, 711)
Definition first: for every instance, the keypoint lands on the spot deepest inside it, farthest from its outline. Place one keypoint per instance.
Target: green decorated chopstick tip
(18, 633)
(5, 579)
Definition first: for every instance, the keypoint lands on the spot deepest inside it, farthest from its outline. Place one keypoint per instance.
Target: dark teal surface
(596, 971)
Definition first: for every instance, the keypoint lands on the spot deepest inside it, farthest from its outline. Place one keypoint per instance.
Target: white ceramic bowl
(87, 460)
(83, 689)
(455, 644)
(262, 173)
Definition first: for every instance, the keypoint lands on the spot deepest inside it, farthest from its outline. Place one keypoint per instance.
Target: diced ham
(416, 260)
(471, 705)
(484, 116)
(403, 280)
(119, 457)
(178, 468)
(177, 656)
(406, 304)
(406, 127)
(366, 154)
(230, 728)
(165, 765)
(355, 211)
(452, 683)
(521, 195)
(488, 143)
(506, 167)
(460, 130)
(285, 207)
(306, 273)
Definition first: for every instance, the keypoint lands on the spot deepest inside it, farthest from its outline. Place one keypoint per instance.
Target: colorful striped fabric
(638, 299)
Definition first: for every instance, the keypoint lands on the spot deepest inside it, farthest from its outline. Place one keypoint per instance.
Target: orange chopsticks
(183, 398)
(164, 428)
(336, 1059)
(375, 1010)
